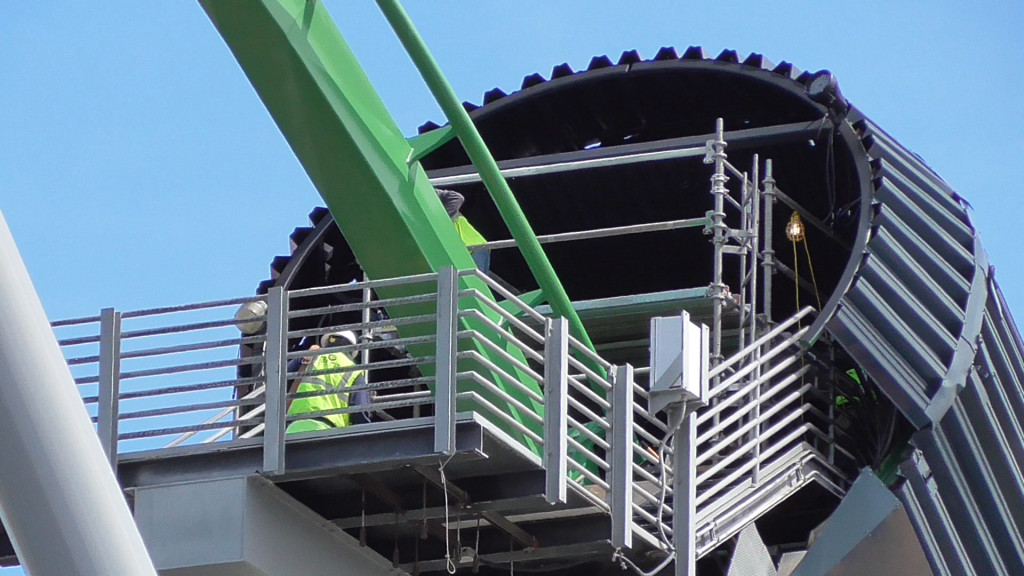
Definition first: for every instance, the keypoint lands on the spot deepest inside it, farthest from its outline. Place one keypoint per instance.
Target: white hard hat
(340, 338)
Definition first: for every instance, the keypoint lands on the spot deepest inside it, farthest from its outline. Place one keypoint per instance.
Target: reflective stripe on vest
(325, 382)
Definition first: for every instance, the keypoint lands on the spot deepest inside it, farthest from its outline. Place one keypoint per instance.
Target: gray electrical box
(679, 362)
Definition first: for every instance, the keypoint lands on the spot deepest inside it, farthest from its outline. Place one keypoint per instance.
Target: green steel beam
(484, 162)
(317, 93)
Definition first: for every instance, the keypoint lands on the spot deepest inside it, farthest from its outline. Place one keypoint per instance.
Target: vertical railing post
(556, 398)
(277, 382)
(108, 410)
(768, 253)
(621, 460)
(684, 490)
(717, 156)
(445, 360)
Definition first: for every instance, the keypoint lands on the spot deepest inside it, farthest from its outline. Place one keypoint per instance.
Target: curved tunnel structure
(905, 288)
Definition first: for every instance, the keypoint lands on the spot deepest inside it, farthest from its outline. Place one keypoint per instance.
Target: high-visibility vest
(325, 382)
(469, 235)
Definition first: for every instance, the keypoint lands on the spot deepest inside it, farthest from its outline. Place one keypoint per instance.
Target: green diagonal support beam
(484, 162)
(355, 155)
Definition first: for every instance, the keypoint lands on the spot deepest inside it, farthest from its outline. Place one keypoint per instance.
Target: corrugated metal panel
(964, 487)
(911, 315)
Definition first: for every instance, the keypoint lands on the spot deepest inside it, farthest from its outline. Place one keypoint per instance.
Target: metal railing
(161, 378)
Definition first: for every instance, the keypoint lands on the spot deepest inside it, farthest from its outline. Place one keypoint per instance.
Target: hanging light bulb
(795, 228)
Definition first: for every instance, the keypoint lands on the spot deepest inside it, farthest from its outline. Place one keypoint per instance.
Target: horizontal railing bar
(372, 386)
(366, 284)
(180, 430)
(637, 388)
(582, 429)
(153, 412)
(527, 411)
(501, 415)
(477, 336)
(78, 341)
(747, 369)
(191, 307)
(598, 233)
(774, 389)
(704, 495)
(637, 510)
(578, 346)
(501, 290)
(590, 374)
(744, 449)
(238, 382)
(208, 345)
(83, 360)
(255, 393)
(575, 384)
(360, 408)
(185, 368)
(508, 378)
(180, 328)
(509, 317)
(770, 335)
(587, 474)
(75, 321)
(738, 397)
(588, 495)
(651, 478)
(745, 428)
(359, 306)
(350, 349)
(574, 403)
(506, 333)
(577, 448)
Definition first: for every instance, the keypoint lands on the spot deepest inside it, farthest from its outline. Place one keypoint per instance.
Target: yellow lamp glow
(795, 228)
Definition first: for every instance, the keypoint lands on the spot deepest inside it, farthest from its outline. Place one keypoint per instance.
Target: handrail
(762, 413)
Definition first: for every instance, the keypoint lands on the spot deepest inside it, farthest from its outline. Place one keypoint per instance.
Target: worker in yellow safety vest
(314, 379)
(452, 202)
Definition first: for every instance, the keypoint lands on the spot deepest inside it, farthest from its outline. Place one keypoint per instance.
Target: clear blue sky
(138, 168)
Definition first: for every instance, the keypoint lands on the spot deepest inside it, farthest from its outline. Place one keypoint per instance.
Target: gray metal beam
(59, 499)
(684, 490)
(378, 446)
(556, 371)
(445, 360)
(621, 460)
(109, 384)
(277, 382)
(673, 148)
(249, 527)
(499, 521)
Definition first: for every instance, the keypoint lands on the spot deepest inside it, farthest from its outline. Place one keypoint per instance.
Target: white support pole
(108, 409)
(556, 398)
(684, 489)
(768, 252)
(59, 499)
(275, 415)
(621, 460)
(445, 361)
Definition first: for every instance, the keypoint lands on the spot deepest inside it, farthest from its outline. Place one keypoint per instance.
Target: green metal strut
(484, 162)
(349, 145)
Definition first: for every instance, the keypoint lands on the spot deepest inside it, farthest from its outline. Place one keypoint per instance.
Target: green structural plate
(355, 155)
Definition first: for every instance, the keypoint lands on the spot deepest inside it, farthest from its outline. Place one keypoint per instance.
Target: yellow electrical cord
(795, 232)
